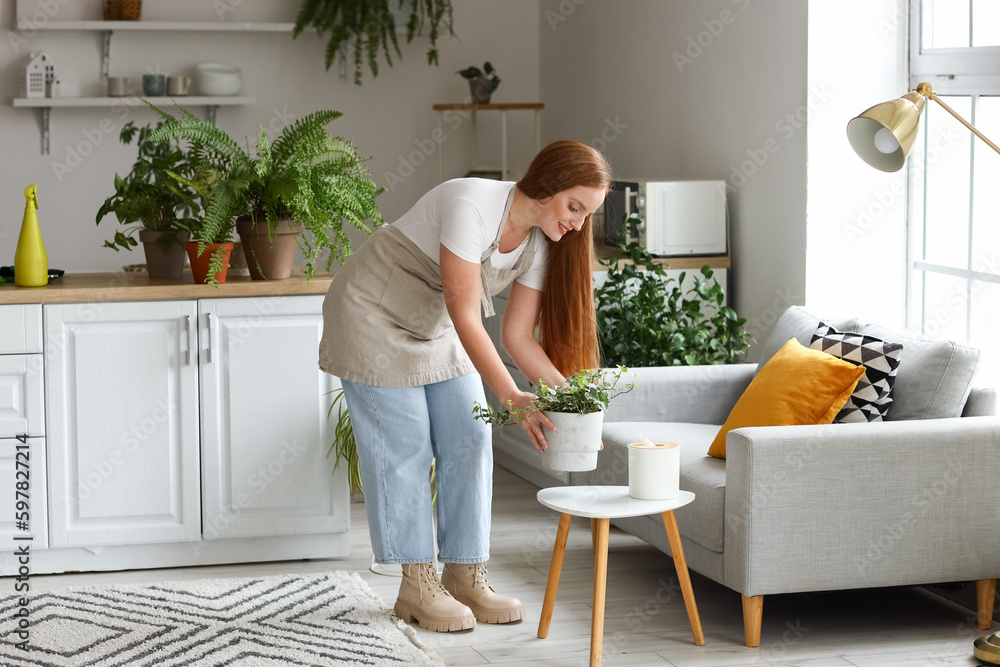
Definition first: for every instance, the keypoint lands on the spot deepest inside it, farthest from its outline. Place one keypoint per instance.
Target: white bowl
(216, 80)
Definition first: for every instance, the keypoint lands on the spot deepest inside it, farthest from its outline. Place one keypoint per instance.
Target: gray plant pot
(160, 262)
(574, 445)
(479, 89)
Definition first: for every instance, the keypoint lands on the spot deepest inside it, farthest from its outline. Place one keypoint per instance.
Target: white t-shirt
(464, 215)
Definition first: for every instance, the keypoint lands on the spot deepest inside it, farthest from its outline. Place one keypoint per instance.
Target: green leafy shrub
(646, 318)
(148, 197)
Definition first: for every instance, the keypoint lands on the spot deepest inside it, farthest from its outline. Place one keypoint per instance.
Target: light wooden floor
(645, 619)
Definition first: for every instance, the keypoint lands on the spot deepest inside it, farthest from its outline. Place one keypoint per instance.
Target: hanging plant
(371, 26)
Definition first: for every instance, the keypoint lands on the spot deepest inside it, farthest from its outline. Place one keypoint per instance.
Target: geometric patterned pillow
(873, 395)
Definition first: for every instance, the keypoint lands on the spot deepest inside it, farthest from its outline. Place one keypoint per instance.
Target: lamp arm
(925, 90)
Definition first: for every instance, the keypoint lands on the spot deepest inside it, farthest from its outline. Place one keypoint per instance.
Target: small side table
(601, 504)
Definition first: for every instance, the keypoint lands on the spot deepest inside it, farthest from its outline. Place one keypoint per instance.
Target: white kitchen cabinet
(22, 426)
(122, 387)
(265, 431)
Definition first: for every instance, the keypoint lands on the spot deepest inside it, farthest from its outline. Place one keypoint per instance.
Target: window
(953, 281)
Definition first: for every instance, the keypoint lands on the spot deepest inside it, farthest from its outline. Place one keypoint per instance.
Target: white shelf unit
(108, 28)
(152, 26)
(186, 100)
(47, 103)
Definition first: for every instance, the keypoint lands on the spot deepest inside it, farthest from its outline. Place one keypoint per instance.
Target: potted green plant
(371, 26)
(482, 82)
(305, 176)
(151, 205)
(646, 318)
(577, 411)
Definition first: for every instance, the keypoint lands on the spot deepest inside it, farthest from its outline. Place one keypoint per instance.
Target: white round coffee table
(601, 504)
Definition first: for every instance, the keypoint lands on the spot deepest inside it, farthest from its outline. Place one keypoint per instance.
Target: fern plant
(371, 25)
(305, 175)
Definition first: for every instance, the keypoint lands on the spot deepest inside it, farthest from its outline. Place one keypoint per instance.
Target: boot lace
(427, 574)
(479, 577)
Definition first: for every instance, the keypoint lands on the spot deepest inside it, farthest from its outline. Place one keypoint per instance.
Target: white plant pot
(573, 446)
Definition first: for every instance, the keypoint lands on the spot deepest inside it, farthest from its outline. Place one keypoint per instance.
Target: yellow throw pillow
(797, 385)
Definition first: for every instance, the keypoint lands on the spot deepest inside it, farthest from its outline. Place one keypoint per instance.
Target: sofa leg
(753, 610)
(986, 590)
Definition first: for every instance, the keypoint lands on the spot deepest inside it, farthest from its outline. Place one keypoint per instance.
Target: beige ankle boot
(469, 586)
(422, 597)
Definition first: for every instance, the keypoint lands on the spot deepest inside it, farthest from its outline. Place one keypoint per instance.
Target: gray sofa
(909, 500)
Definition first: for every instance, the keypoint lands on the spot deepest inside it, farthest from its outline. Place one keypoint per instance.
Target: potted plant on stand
(482, 82)
(152, 205)
(577, 410)
(304, 181)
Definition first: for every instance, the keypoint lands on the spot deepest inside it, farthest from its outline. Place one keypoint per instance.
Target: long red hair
(568, 322)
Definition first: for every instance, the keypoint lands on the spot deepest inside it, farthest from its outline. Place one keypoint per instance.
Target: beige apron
(384, 318)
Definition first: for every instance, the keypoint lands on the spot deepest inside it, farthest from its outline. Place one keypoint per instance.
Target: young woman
(403, 331)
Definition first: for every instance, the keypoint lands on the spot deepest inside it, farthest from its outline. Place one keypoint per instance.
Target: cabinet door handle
(208, 323)
(187, 334)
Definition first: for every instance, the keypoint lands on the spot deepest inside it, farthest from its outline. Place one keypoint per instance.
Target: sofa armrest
(982, 402)
(695, 394)
(861, 505)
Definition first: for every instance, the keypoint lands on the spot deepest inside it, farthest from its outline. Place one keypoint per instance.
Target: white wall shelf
(189, 100)
(47, 103)
(165, 26)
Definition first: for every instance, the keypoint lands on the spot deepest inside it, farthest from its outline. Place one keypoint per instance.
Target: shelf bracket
(46, 114)
(212, 111)
(106, 54)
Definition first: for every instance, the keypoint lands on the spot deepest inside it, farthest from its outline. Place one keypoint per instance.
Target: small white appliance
(680, 217)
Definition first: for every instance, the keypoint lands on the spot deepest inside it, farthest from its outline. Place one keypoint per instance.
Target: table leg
(554, 570)
(593, 535)
(674, 537)
(600, 583)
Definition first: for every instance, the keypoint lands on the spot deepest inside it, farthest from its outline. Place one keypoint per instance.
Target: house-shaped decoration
(38, 76)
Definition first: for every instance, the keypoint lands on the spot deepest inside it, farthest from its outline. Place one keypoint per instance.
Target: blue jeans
(399, 432)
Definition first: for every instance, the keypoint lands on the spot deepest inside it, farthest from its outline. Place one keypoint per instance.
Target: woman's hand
(531, 419)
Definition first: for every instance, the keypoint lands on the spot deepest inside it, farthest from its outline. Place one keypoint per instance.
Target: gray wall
(714, 89)
(390, 117)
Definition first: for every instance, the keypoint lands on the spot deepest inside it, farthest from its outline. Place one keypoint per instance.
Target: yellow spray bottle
(31, 264)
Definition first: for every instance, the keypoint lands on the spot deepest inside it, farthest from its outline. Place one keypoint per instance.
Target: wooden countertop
(686, 262)
(137, 286)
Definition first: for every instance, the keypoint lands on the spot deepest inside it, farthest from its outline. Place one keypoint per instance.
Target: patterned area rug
(324, 619)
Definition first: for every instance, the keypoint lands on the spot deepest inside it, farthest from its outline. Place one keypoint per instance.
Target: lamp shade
(883, 135)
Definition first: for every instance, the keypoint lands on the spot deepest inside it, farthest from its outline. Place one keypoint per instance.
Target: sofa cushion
(800, 324)
(873, 394)
(797, 386)
(702, 520)
(934, 380)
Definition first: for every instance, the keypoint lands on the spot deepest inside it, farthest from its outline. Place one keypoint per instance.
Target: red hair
(568, 322)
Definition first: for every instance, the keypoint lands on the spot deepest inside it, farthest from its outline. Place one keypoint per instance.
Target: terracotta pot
(574, 445)
(163, 262)
(199, 265)
(269, 259)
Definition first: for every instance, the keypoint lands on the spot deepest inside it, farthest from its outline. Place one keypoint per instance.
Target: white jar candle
(654, 470)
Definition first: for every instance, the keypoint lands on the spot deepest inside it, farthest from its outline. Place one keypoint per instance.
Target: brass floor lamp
(883, 136)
